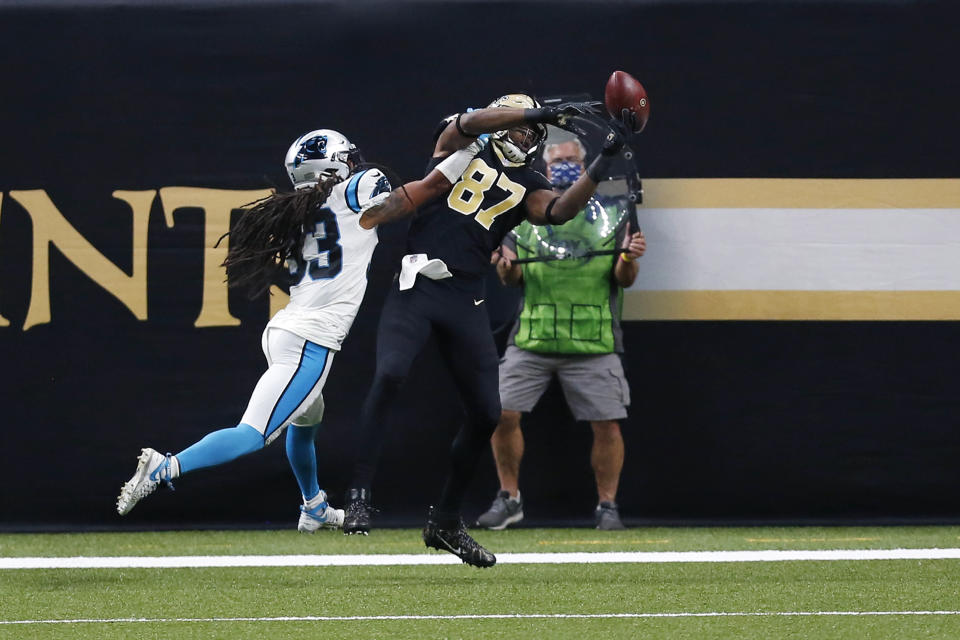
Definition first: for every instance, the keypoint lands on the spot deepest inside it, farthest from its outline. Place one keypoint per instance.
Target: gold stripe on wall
(782, 193)
(791, 305)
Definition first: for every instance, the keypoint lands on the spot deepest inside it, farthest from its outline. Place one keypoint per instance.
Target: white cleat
(152, 469)
(324, 516)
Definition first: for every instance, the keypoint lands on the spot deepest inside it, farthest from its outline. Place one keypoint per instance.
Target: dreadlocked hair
(268, 233)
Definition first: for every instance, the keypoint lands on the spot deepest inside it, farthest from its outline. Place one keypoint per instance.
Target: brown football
(625, 92)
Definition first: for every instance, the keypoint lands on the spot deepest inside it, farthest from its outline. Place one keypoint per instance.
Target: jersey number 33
(322, 255)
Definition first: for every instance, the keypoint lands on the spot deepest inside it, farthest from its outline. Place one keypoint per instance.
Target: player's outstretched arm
(404, 200)
(465, 127)
(407, 198)
(545, 207)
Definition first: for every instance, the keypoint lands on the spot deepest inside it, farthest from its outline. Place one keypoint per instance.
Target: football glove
(616, 136)
(559, 115)
(629, 119)
(613, 142)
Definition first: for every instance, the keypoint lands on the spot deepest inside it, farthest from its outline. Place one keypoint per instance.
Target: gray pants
(594, 386)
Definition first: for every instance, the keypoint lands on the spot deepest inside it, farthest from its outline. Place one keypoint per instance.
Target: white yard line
(495, 616)
(130, 562)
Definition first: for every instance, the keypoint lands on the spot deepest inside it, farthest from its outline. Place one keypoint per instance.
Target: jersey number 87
(468, 194)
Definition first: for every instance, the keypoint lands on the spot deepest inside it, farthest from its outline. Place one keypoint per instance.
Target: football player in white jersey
(320, 240)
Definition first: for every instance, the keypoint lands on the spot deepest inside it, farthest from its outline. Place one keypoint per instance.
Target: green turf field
(900, 596)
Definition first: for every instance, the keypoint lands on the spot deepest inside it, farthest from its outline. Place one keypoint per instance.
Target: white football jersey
(330, 274)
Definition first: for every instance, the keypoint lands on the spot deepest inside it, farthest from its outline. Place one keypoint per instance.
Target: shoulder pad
(363, 186)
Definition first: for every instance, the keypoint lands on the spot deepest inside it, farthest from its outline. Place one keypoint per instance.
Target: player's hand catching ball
(616, 137)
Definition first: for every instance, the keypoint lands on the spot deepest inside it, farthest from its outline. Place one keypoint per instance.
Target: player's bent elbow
(434, 185)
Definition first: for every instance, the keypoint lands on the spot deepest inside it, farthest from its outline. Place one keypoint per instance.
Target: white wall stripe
(800, 249)
(130, 562)
(495, 616)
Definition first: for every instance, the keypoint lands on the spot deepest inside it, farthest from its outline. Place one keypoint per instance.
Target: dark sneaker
(503, 512)
(457, 541)
(357, 515)
(607, 517)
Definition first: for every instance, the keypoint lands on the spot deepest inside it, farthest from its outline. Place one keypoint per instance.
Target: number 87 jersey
(487, 201)
(328, 273)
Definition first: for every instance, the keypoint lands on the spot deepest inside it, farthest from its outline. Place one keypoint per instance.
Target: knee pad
(312, 415)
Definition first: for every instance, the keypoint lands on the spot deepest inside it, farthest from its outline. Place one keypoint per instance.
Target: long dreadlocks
(268, 233)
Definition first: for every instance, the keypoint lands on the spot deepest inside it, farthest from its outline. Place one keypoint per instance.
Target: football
(625, 92)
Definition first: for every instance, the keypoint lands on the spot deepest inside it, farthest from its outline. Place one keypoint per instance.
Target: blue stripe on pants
(313, 362)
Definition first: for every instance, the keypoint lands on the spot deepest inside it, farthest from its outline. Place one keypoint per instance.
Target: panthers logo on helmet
(313, 149)
(319, 153)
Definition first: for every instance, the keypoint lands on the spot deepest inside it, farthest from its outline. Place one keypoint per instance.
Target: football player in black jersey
(440, 291)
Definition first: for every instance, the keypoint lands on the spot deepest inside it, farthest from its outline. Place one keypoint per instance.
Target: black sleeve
(534, 181)
(540, 181)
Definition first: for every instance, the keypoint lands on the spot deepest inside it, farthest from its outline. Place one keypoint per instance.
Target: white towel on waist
(414, 263)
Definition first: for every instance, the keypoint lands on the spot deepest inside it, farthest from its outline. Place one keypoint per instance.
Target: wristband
(538, 115)
(599, 167)
(460, 129)
(547, 213)
(624, 257)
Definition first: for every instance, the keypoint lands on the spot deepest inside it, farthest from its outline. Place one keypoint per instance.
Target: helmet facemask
(521, 143)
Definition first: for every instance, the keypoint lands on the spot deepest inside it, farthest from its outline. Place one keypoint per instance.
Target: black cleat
(357, 516)
(458, 542)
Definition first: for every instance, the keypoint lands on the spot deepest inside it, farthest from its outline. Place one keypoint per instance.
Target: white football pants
(291, 389)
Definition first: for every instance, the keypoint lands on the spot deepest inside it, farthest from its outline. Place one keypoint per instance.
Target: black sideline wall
(145, 124)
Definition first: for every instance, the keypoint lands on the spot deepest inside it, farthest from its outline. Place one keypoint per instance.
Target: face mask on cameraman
(565, 173)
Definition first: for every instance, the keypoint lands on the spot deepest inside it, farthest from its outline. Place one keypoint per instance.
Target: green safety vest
(569, 305)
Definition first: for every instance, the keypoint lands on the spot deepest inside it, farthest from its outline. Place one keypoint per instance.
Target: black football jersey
(465, 226)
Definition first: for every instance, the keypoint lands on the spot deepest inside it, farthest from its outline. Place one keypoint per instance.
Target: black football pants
(453, 311)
